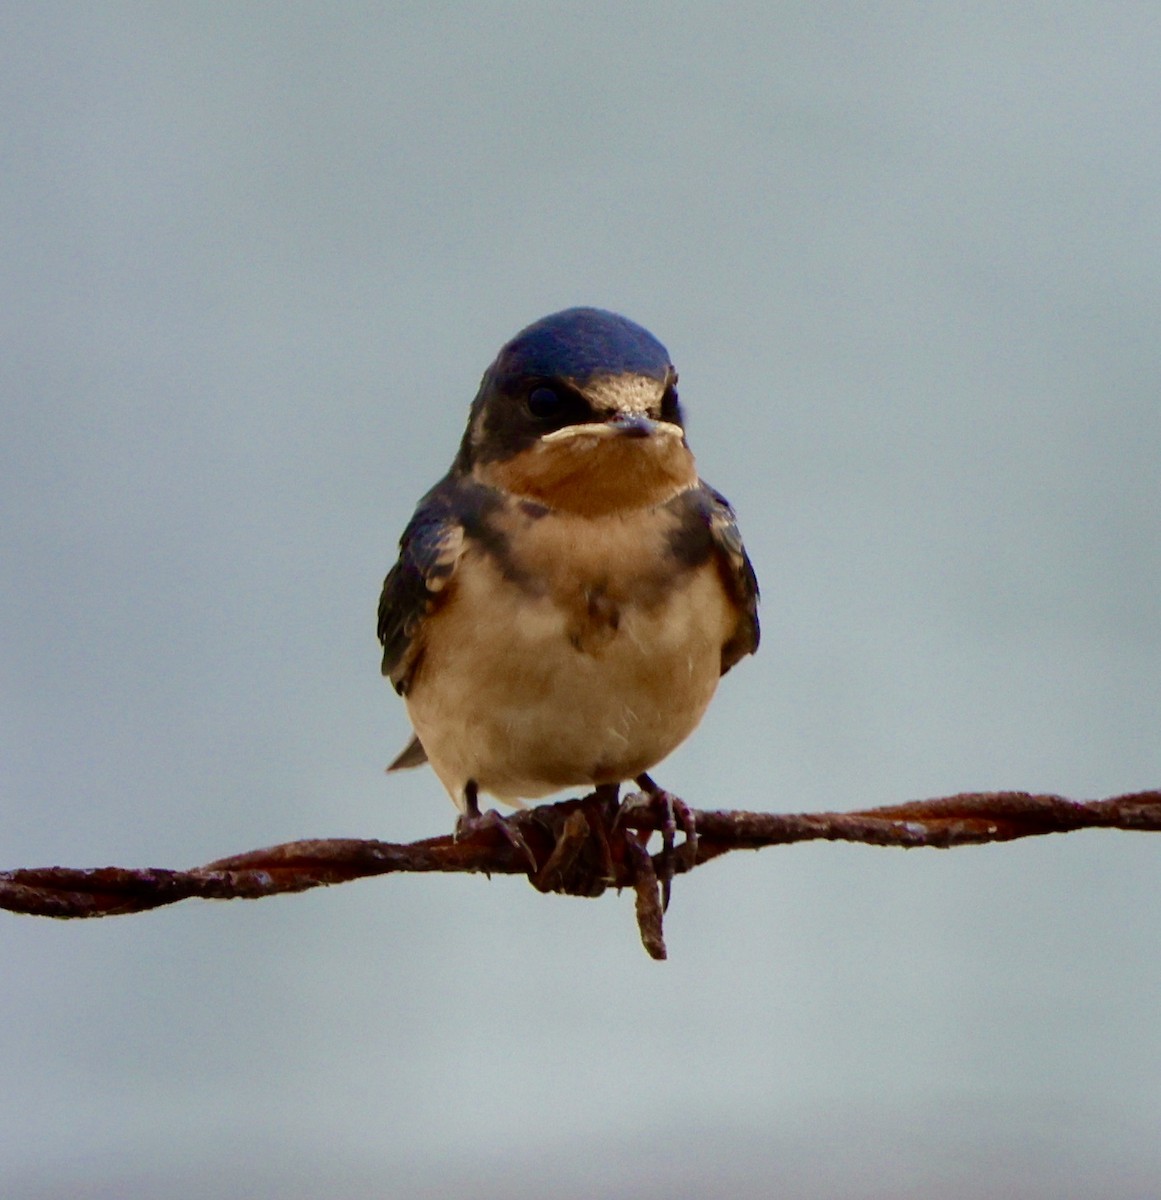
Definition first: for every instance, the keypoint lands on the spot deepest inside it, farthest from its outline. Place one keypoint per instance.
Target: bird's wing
(429, 552)
(717, 518)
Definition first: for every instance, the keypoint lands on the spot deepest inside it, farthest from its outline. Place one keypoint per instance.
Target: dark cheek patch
(495, 535)
(690, 540)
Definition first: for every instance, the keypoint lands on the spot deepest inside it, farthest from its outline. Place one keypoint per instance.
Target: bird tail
(413, 755)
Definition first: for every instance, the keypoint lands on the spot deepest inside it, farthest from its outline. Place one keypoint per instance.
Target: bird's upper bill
(580, 412)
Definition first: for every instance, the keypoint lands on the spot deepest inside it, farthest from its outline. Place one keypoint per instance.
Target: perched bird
(567, 597)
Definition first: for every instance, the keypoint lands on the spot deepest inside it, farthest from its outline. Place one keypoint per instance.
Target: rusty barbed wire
(579, 847)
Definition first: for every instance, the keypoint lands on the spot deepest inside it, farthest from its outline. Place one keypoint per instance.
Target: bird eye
(671, 407)
(545, 403)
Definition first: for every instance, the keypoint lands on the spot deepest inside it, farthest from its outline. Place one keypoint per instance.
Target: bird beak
(633, 426)
(628, 425)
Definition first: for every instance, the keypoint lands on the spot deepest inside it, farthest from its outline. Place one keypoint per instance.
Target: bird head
(580, 412)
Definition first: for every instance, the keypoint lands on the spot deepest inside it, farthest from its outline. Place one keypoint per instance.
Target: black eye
(671, 407)
(546, 404)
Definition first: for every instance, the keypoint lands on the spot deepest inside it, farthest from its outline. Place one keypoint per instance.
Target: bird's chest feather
(567, 650)
(578, 588)
(572, 651)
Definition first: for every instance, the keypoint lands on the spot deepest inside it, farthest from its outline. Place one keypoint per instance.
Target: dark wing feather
(429, 551)
(711, 529)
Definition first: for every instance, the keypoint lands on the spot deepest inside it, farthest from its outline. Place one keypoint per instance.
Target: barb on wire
(580, 848)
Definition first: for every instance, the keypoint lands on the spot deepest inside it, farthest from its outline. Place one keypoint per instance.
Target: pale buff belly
(518, 694)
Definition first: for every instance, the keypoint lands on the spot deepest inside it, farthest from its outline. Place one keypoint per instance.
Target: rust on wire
(579, 846)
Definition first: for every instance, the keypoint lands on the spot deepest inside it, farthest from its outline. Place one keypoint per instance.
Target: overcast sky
(907, 258)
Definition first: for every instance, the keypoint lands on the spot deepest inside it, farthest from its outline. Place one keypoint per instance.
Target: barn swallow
(568, 595)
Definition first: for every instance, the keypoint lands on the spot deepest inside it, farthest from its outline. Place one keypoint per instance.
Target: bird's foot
(582, 861)
(593, 846)
(471, 820)
(674, 814)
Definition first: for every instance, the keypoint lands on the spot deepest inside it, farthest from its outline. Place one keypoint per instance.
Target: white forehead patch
(633, 394)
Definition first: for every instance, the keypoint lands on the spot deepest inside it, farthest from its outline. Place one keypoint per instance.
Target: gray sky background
(253, 261)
